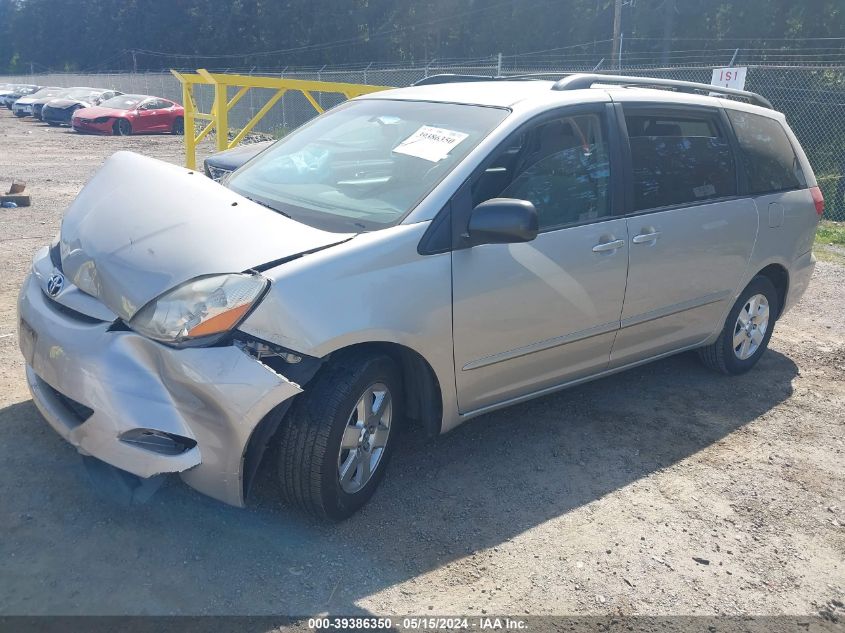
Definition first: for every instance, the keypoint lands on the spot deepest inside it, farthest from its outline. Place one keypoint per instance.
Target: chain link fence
(812, 97)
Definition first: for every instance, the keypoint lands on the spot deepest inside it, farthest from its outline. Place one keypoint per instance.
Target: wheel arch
(421, 388)
(421, 393)
(779, 276)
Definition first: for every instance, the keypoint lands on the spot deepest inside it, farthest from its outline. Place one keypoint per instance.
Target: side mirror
(502, 221)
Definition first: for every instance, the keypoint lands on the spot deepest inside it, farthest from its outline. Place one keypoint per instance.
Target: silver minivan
(422, 255)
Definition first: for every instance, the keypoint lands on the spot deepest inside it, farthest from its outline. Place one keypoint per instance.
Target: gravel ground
(664, 490)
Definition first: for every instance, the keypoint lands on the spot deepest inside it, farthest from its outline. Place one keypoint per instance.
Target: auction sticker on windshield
(430, 143)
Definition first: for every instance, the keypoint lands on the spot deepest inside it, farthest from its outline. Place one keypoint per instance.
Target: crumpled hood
(92, 112)
(63, 103)
(231, 159)
(142, 226)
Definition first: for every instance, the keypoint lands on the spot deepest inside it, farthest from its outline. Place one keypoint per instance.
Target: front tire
(122, 127)
(747, 330)
(337, 439)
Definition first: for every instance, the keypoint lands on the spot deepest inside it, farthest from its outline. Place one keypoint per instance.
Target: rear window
(767, 156)
(679, 159)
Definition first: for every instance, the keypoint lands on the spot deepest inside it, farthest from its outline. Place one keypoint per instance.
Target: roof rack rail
(586, 80)
(449, 78)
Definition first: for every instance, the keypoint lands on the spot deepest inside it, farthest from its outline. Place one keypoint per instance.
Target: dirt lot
(664, 490)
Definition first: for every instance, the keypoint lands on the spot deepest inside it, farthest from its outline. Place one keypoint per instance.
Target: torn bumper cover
(141, 406)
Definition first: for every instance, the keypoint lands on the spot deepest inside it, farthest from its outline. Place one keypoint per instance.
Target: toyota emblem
(55, 284)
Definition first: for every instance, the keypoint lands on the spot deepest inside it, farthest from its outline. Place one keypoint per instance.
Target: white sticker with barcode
(430, 143)
(704, 191)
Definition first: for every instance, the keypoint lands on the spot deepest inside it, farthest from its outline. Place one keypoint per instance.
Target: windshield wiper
(269, 206)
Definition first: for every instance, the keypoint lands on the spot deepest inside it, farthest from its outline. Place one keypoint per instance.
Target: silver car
(23, 106)
(422, 255)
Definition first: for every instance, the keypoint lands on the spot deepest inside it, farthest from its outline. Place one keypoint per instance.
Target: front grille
(56, 256)
(78, 411)
(56, 114)
(70, 312)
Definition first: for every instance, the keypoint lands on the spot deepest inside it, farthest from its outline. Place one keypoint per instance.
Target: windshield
(365, 164)
(46, 92)
(124, 102)
(81, 93)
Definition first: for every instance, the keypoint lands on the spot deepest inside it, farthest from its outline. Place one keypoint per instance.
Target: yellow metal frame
(218, 118)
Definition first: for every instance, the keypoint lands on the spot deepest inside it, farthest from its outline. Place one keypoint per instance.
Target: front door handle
(608, 246)
(644, 238)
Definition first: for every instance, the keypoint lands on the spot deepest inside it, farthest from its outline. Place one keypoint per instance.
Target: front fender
(374, 289)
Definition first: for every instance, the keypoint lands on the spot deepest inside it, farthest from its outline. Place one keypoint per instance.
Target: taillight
(818, 200)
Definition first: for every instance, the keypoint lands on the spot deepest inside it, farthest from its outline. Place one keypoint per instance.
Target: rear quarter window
(766, 154)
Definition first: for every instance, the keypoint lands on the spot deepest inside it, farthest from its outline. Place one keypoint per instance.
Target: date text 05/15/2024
(430, 623)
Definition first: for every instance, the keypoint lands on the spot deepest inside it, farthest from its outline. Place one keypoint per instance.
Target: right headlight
(216, 173)
(200, 308)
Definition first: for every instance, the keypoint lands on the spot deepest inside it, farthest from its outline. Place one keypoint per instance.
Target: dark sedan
(60, 111)
(218, 166)
(38, 104)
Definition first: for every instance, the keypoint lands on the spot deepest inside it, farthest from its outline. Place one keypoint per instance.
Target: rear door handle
(644, 238)
(608, 246)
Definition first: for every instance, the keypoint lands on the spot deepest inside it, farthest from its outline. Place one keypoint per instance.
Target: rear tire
(178, 126)
(316, 473)
(747, 330)
(53, 124)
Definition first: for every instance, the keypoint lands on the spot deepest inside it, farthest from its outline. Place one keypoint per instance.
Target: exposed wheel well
(778, 275)
(423, 398)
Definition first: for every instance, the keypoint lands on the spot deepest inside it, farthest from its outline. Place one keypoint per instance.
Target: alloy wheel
(365, 438)
(751, 326)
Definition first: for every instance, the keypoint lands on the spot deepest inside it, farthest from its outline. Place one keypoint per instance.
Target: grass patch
(831, 233)
(830, 242)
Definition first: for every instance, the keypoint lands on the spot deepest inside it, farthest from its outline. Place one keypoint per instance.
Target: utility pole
(617, 32)
(668, 29)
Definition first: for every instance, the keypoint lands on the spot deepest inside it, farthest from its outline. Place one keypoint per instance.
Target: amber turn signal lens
(221, 322)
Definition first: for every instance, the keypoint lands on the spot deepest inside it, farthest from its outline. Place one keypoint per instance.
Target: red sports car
(131, 114)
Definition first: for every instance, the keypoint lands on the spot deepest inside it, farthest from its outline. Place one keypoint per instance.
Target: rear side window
(679, 159)
(767, 155)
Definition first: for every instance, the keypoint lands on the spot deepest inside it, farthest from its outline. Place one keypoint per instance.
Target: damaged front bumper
(141, 406)
(19, 109)
(91, 126)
